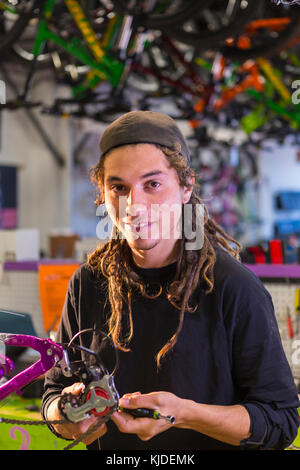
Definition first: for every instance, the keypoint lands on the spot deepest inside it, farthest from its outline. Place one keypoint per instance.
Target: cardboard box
(62, 246)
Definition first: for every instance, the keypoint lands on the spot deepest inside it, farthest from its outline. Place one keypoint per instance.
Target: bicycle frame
(50, 352)
(100, 396)
(251, 84)
(104, 66)
(6, 366)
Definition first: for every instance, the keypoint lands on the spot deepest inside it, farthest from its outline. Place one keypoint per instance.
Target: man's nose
(136, 203)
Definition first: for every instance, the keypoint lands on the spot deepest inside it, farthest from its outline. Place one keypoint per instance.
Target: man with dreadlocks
(195, 329)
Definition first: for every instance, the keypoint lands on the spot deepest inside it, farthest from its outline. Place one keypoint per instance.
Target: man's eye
(117, 187)
(154, 184)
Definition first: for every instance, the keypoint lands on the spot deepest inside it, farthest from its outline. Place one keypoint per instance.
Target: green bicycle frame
(103, 66)
(6, 7)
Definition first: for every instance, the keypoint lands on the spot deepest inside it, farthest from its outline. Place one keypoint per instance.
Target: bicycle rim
(212, 39)
(12, 25)
(267, 48)
(184, 12)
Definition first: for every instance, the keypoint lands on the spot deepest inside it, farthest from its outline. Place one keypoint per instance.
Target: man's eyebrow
(112, 178)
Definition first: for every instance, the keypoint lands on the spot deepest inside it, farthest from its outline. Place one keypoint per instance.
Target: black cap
(147, 127)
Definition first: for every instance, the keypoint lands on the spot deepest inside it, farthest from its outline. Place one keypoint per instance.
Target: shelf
(275, 271)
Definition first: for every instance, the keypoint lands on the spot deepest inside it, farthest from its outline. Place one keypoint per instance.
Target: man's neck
(154, 258)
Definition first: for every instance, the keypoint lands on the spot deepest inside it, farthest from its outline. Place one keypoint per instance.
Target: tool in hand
(147, 413)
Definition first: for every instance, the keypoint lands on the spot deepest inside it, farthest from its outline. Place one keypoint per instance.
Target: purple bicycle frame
(6, 366)
(50, 353)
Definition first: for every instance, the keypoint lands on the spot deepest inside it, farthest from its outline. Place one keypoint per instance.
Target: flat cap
(143, 127)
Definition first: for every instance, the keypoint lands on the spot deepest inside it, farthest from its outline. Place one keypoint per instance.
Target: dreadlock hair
(193, 266)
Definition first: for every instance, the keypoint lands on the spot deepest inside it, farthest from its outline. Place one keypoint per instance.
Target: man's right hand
(75, 430)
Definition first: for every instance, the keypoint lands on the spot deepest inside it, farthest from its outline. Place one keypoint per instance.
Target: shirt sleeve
(262, 373)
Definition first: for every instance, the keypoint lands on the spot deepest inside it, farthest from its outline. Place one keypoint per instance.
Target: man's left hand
(164, 402)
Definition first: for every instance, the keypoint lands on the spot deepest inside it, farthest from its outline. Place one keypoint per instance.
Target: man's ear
(187, 191)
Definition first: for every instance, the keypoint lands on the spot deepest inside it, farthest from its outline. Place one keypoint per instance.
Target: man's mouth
(137, 227)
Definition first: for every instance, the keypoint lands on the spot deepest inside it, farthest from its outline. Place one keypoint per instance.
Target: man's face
(143, 196)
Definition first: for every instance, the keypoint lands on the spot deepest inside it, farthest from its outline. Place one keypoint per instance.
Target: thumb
(78, 388)
(138, 401)
(75, 389)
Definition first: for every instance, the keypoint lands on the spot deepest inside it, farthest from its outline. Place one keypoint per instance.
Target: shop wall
(85, 155)
(279, 168)
(43, 186)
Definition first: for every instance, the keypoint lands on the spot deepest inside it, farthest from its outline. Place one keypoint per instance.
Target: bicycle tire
(269, 50)
(8, 38)
(24, 54)
(155, 21)
(208, 39)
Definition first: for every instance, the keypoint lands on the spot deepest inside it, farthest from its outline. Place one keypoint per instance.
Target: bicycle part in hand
(100, 398)
(147, 413)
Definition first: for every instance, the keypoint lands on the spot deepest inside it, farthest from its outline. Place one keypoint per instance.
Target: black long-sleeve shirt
(228, 352)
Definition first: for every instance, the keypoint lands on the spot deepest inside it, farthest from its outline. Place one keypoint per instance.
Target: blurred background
(228, 71)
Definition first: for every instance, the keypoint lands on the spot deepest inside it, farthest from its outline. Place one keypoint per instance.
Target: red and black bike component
(100, 398)
(100, 392)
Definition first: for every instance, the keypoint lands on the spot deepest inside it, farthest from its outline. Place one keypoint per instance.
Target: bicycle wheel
(61, 23)
(267, 42)
(288, 62)
(13, 21)
(172, 15)
(215, 24)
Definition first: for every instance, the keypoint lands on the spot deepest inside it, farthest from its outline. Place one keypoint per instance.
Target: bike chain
(52, 423)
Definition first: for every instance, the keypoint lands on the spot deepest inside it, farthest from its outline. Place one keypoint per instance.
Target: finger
(129, 395)
(91, 436)
(87, 423)
(121, 418)
(140, 401)
(144, 428)
(75, 389)
(128, 424)
(99, 432)
(93, 426)
(132, 394)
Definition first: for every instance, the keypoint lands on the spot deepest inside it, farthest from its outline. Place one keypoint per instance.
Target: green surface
(25, 436)
(296, 444)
